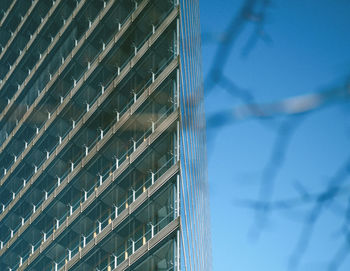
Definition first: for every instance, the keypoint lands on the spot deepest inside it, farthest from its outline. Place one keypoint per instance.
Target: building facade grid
(102, 136)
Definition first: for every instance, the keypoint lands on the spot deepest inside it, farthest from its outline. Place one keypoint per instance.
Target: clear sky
(309, 52)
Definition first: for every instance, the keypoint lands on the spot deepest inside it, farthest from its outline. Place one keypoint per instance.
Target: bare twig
(285, 116)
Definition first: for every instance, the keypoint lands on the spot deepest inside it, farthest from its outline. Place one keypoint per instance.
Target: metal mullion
(51, 120)
(8, 11)
(18, 29)
(39, 62)
(165, 73)
(106, 141)
(95, 195)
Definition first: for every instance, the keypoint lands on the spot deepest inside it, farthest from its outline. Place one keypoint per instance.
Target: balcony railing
(14, 193)
(103, 176)
(118, 208)
(41, 59)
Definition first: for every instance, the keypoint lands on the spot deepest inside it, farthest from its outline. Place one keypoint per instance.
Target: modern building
(102, 136)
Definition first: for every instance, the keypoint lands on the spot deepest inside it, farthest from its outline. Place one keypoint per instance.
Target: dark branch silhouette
(285, 117)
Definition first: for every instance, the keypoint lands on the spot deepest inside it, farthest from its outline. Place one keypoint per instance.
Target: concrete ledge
(171, 67)
(7, 12)
(114, 223)
(64, 183)
(19, 27)
(27, 47)
(51, 82)
(159, 237)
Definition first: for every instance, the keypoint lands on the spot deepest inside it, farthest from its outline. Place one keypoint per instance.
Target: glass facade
(195, 231)
(102, 136)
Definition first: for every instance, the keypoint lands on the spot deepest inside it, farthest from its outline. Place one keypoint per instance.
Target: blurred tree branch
(293, 111)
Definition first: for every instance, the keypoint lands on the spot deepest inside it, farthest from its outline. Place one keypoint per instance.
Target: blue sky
(309, 51)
